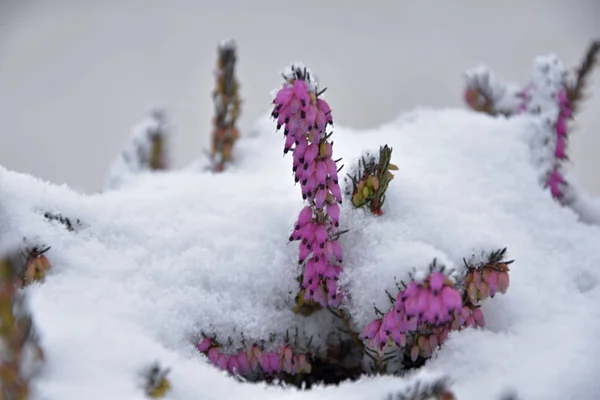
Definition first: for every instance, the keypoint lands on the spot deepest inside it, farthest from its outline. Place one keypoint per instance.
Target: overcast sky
(75, 75)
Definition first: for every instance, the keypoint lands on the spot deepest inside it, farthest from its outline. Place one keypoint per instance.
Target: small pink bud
(320, 197)
(321, 173)
(337, 250)
(321, 234)
(242, 360)
(232, 365)
(414, 353)
(371, 329)
(332, 271)
(436, 281)
(478, 317)
(274, 362)
(222, 362)
(333, 210)
(204, 345)
(283, 95)
(213, 355)
(331, 168)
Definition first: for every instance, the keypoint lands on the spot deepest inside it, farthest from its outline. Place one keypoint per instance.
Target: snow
(171, 254)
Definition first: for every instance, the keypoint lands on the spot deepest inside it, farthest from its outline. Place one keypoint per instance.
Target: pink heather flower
(478, 316)
(562, 98)
(436, 281)
(265, 363)
(561, 126)
(333, 210)
(213, 355)
(232, 365)
(274, 362)
(560, 151)
(371, 329)
(204, 345)
(555, 181)
(242, 361)
(222, 362)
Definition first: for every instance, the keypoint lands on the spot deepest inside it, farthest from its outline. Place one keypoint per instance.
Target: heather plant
(146, 150)
(424, 311)
(227, 106)
(20, 354)
(552, 94)
(425, 308)
(370, 179)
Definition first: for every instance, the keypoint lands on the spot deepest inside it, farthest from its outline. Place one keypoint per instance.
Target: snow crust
(169, 255)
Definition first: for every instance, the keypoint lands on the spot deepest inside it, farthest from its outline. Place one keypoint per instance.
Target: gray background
(76, 75)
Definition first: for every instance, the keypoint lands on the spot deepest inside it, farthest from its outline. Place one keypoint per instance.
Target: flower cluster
(421, 316)
(423, 313)
(370, 180)
(255, 361)
(305, 117)
(227, 106)
(483, 280)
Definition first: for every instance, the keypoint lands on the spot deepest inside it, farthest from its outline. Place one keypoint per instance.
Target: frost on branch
(370, 178)
(305, 117)
(227, 106)
(20, 354)
(146, 150)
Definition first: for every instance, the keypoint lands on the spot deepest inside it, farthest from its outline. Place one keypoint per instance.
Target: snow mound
(172, 254)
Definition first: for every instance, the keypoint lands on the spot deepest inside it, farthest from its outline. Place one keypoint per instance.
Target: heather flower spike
(370, 180)
(227, 106)
(254, 362)
(304, 117)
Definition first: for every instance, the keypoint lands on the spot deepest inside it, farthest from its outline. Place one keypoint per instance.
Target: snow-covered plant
(305, 117)
(156, 384)
(436, 390)
(227, 106)
(426, 309)
(370, 178)
(20, 353)
(550, 95)
(254, 362)
(145, 151)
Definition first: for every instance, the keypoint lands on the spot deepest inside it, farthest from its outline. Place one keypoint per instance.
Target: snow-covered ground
(171, 254)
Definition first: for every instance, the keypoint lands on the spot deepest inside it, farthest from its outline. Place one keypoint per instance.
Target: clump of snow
(171, 255)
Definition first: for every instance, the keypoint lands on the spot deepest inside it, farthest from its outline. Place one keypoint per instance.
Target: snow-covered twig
(227, 106)
(145, 151)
